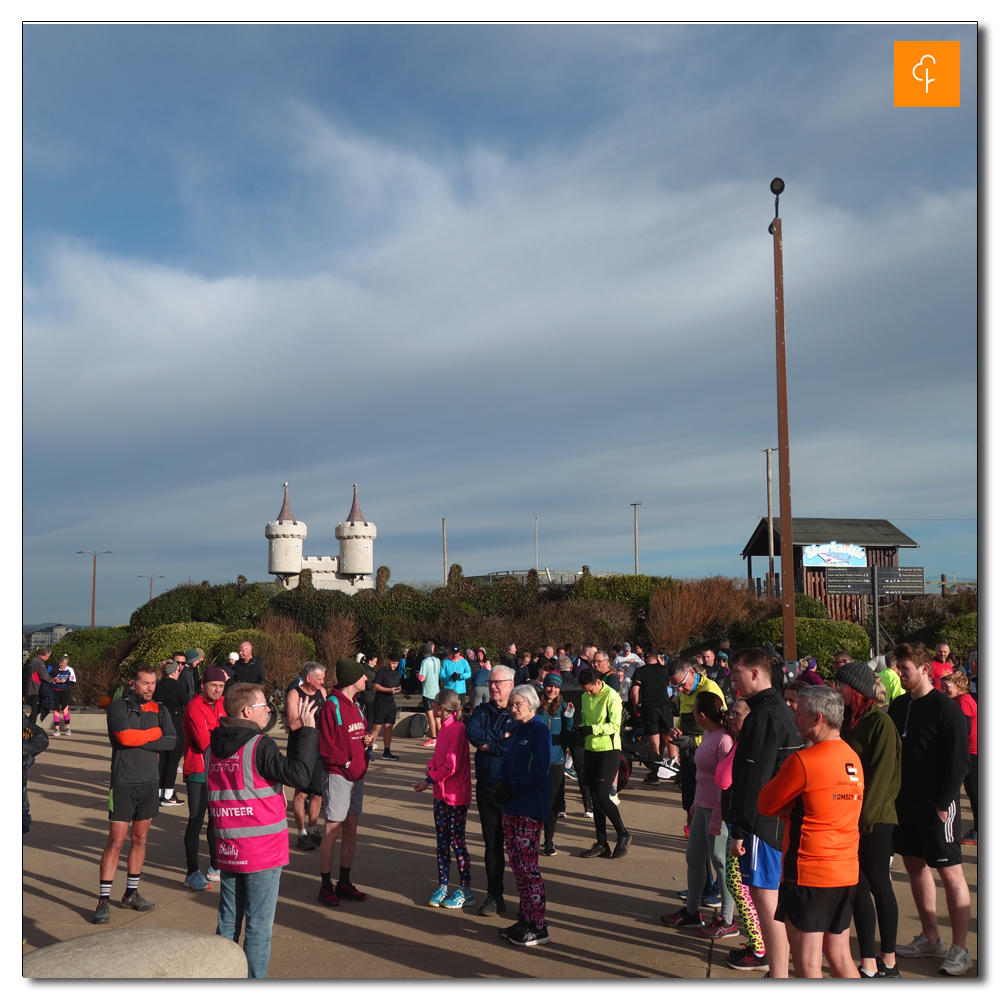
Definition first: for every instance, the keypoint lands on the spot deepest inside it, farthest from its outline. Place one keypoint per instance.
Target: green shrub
(87, 646)
(809, 607)
(620, 588)
(961, 633)
(231, 605)
(164, 640)
(815, 637)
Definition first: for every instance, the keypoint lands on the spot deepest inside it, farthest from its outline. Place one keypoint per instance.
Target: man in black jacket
(252, 893)
(138, 729)
(935, 761)
(768, 736)
(248, 669)
(488, 730)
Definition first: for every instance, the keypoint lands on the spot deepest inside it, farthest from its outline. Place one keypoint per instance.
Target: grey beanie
(348, 673)
(858, 676)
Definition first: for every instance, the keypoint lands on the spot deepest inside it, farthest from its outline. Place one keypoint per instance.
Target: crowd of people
(796, 791)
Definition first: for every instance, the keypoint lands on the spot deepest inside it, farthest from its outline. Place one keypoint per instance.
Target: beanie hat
(194, 654)
(858, 676)
(215, 674)
(555, 679)
(348, 673)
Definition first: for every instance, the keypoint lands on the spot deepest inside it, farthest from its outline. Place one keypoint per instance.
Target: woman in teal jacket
(558, 716)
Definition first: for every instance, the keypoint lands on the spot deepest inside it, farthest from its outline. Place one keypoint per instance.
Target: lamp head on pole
(777, 186)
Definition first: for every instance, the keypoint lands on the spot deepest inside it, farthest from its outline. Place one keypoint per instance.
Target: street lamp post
(146, 576)
(784, 464)
(536, 543)
(635, 525)
(93, 587)
(770, 528)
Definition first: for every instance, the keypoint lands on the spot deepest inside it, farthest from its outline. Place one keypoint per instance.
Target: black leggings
(197, 807)
(874, 880)
(557, 786)
(169, 759)
(600, 774)
(578, 754)
(33, 705)
(972, 788)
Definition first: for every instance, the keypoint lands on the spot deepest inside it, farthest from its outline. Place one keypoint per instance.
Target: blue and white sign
(833, 554)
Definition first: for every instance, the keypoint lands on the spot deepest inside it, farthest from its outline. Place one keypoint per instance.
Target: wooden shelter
(880, 539)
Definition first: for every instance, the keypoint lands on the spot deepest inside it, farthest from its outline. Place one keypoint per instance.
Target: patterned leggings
(746, 912)
(521, 836)
(449, 822)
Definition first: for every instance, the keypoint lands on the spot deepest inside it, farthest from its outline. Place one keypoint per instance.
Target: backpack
(416, 728)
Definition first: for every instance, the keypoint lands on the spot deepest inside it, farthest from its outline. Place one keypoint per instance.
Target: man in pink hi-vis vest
(246, 772)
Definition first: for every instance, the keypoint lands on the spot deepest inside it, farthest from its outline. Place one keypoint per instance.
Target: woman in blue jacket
(522, 790)
(558, 716)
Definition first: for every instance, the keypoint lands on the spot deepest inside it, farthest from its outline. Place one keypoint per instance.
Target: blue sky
(486, 273)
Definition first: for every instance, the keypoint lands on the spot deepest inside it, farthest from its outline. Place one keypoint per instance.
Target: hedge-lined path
(603, 915)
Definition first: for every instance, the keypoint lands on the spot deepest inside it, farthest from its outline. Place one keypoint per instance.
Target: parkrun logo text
(926, 74)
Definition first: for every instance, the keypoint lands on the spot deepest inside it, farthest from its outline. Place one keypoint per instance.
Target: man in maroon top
(342, 745)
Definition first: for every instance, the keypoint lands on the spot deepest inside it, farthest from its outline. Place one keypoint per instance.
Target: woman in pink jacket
(449, 772)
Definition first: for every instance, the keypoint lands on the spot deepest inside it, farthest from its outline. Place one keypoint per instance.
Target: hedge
(163, 641)
(231, 605)
(961, 633)
(817, 637)
(86, 646)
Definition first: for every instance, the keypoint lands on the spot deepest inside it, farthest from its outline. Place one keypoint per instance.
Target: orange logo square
(925, 74)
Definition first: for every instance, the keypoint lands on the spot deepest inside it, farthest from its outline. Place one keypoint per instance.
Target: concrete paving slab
(603, 915)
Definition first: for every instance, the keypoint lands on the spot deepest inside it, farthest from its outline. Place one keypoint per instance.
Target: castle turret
(285, 536)
(356, 535)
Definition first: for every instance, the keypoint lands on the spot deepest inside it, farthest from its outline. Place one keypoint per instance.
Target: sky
(487, 273)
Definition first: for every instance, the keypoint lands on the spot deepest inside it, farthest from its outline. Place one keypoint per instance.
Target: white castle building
(350, 572)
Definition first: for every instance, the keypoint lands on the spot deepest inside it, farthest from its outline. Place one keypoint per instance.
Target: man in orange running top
(818, 792)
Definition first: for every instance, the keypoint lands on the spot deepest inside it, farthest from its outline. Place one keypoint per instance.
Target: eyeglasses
(497, 683)
(262, 704)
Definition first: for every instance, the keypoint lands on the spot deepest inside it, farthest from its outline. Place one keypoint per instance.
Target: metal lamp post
(635, 527)
(93, 588)
(784, 471)
(146, 576)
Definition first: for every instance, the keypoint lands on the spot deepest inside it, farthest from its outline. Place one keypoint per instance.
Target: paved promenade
(604, 916)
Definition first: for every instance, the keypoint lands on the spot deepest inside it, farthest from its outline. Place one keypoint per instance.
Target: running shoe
(719, 929)
(549, 850)
(713, 900)
(438, 896)
(492, 905)
(102, 914)
(588, 813)
(887, 971)
(683, 919)
(458, 899)
(599, 850)
(197, 881)
(957, 962)
(614, 798)
(621, 848)
(55, 732)
(745, 959)
(316, 837)
(921, 946)
(386, 755)
(168, 803)
(972, 837)
(428, 743)
(504, 931)
(136, 902)
(347, 890)
(67, 732)
(527, 934)
(304, 842)
(561, 815)
(687, 831)
(214, 875)
(651, 779)
(328, 895)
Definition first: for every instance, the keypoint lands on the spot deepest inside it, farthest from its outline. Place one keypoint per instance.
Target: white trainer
(957, 962)
(921, 946)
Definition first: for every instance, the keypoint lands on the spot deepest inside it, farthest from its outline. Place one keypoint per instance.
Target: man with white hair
(819, 791)
(488, 730)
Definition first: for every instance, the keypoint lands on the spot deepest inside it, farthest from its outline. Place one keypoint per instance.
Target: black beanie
(858, 676)
(348, 673)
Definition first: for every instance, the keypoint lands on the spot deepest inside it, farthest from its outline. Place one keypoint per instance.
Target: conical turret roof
(356, 514)
(285, 514)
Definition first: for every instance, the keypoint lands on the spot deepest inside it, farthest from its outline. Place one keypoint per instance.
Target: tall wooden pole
(93, 593)
(635, 526)
(789, 647)
(444, 545)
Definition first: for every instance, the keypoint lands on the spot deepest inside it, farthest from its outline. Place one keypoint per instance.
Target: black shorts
(383, 711)
(656, 720)
(920, 833)
(131, 802)
(815, 910)
(426, 704)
